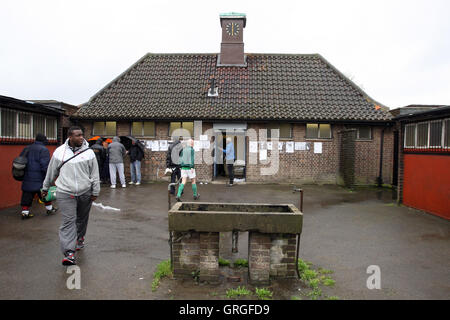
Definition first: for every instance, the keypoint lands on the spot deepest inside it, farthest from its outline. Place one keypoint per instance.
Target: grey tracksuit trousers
(75, 215)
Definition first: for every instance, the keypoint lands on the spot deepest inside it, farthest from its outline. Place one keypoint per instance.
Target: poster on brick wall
(300, 146)
(269, 145)
(290, 147)
(163, 145)
(155, 145)
(317, 147)
(280, 146)
(253, 146)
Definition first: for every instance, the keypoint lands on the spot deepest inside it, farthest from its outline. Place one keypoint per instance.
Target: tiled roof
(271, 87)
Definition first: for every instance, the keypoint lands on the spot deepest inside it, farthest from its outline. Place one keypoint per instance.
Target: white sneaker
(131, 182)
(124, 186)
(138, 183)
(113, 186)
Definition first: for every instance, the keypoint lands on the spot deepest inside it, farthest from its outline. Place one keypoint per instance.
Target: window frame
(278, 124)
(318, 131)
(181, 127)
(142, 129)
(104, 129)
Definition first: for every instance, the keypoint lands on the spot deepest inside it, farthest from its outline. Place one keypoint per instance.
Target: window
(285, 130)
(435, 134)
(104, 128)
(25, 125)
(140, 128)
(318, 131)
(364, 133)
(9, 123)
(422, 135)
(447, 133)
(410, 136)
(189, 126)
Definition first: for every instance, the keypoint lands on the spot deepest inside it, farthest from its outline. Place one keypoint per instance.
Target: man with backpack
(38, 158)
(75, 169)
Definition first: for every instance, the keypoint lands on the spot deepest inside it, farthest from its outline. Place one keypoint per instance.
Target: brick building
(246, 96)
(424, 158)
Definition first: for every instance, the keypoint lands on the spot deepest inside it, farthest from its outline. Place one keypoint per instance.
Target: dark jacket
(100, 152)
(38, 160)
(171, 162)
(136, 152)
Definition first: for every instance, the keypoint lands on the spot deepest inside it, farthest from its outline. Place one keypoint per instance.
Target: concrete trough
(220, 217)
(274, 231)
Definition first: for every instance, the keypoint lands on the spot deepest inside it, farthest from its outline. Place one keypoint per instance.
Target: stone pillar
(209, 256)
(185, 254)
(282, 255)
(259, 257)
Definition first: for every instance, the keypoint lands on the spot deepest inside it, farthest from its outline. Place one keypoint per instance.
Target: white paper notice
(289, 147)
(253, 146)
(301, 146)
(262, 154)
(155, 146)
(149, 144)
(263, 145)
(280, 146)
(163, 145)
(203, 137)
(269, 145)
(317, 147)
(197, 145)
(205, 144)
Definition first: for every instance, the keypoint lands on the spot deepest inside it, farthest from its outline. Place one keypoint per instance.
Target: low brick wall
(270, 256)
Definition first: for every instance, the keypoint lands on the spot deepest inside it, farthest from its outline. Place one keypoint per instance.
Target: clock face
(232, 29)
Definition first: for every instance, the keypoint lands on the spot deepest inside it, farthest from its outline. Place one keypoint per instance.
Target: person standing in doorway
(229, 158)
(116, 152)
(136, 153)
(173, 162)
(188, 170)
(75, 169)
(38, 159)
(100, 154)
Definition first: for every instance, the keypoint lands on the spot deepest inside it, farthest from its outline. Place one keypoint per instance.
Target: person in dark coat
(173, 161)
(100, 154)
(35, 171)
(136, 154)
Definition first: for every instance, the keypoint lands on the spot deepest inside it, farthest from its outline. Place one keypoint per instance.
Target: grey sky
(398, 51)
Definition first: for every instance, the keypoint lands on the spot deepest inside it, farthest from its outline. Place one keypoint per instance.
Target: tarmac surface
(344, 231)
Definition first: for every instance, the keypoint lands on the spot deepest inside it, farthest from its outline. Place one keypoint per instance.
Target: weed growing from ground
(240, 263)
(162, 270)
(314, 279)
(238, 292)
(224, 262)
(263, 294)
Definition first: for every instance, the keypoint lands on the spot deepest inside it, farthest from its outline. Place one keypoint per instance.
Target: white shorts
(188, 173)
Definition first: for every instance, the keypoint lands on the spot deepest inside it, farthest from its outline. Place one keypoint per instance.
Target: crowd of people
(77, 170)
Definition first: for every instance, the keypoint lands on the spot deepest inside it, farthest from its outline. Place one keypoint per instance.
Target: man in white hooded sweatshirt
(78, 185)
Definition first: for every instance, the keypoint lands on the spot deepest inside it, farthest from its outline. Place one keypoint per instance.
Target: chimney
(232, 46)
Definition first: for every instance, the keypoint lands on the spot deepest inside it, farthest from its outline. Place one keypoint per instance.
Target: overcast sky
(397, 51)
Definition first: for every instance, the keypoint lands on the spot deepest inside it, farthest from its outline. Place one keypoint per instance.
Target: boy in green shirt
(187, 169)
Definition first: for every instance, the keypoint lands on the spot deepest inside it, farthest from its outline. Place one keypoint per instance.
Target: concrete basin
(220, 217)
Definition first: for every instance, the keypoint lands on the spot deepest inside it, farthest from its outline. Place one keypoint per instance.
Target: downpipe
(298, 234)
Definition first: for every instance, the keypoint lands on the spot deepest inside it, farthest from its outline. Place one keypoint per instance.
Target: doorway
(238, 138)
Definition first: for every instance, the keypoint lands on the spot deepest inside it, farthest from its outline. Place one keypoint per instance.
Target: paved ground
(343, 231)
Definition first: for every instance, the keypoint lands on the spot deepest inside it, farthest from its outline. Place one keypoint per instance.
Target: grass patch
(324, 271)
(240, 263)
(333, 298)
(238, 292)
(328, 282)
(314, 279)
(263, 294)
(224, 262)
(162, 270)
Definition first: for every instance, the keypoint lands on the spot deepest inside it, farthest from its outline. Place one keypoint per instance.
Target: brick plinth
(259, 257)
(185, 254)
(209, 256)
(282, 255)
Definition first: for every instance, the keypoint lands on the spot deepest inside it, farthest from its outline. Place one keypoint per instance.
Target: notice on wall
(148, 144)
(203, 137)
(280, 146)
(197, 145)
(155, 145)
(205, 144)
(263, 145)
(317, 147)
(290, 147)
(300, 146)
(262, 154)
(269, 145)
(163, 145)
(253, 146)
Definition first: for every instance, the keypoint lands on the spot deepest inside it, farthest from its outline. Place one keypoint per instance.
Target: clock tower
(232, 46)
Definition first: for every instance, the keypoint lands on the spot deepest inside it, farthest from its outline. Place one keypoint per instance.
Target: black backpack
(19, 165)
